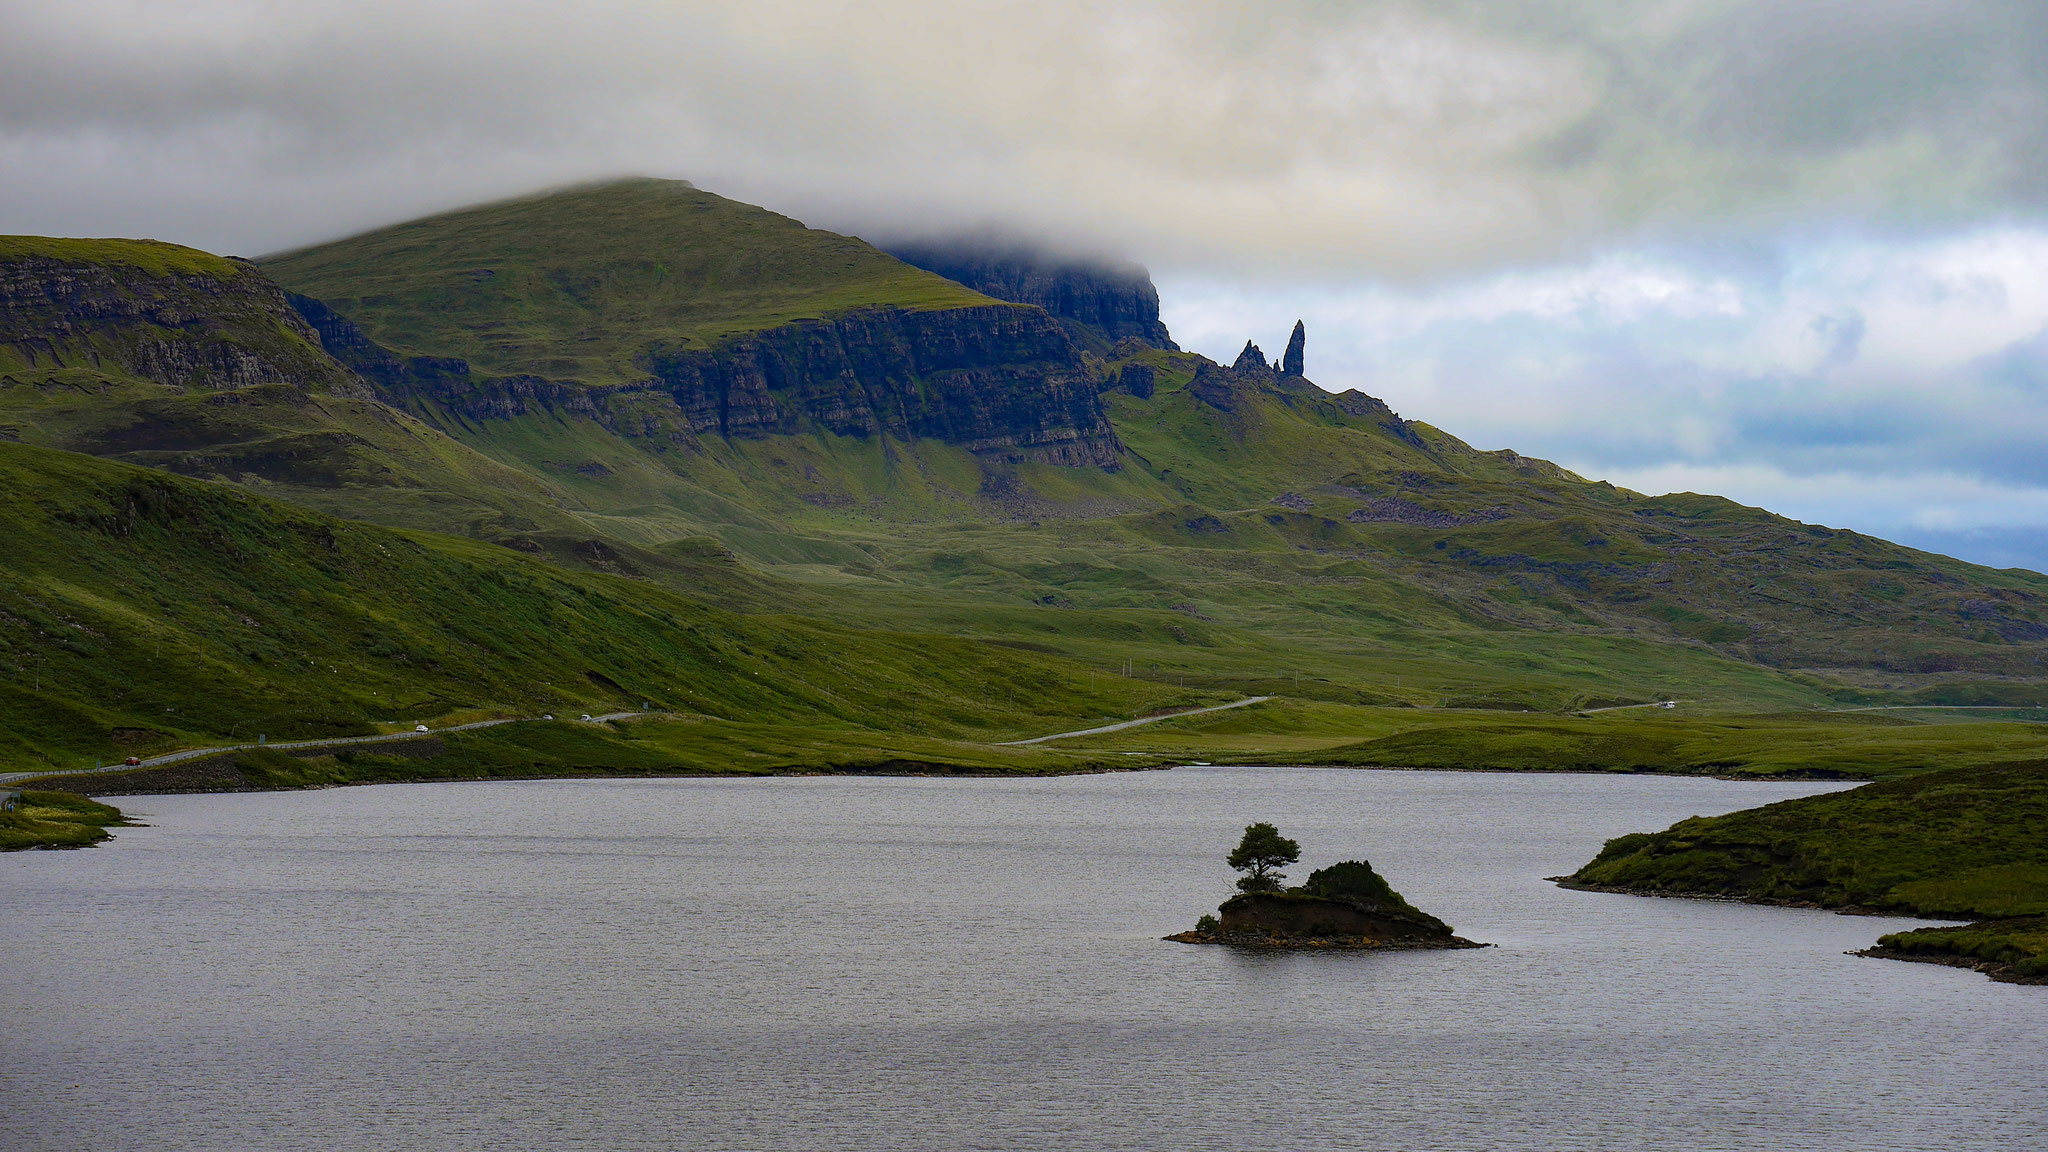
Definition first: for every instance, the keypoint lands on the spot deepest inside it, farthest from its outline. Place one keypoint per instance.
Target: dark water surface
(835, 963)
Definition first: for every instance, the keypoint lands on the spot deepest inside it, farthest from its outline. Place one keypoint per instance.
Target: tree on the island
(1260, 856)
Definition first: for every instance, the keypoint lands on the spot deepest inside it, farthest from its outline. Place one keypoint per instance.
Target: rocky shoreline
(1723, 897)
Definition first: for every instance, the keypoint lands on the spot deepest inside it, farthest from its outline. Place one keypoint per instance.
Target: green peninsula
(1965, 843)
(55, 820)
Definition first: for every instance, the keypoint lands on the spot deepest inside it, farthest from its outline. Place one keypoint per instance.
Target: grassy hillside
(1318, 544)
(141, 611)
(576, 285)
(169, 357)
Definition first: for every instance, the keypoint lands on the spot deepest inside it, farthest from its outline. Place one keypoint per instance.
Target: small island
(1346, 906)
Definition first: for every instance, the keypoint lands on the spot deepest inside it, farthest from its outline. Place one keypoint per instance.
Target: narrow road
(333, 742)
(1626, 707)
(1246, 702)
(336, 742)
(190, 753)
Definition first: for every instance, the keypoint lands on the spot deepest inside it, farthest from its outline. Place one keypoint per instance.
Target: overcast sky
(1794, 252)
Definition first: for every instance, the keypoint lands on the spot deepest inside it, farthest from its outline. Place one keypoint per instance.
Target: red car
(132, 761)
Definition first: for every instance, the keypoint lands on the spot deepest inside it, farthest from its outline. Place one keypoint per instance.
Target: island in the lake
(1346, 906)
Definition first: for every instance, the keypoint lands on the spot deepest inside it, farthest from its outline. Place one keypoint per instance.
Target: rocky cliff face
(999, 380)
(1099, 305)
(187, 321)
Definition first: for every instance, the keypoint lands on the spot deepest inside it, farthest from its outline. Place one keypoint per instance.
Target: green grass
(56, 820)
(1818, 744)
(1957, 842)
(577, 284)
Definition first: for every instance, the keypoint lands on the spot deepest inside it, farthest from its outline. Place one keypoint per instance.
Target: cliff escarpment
(1099, 305)
(996, 379)
(80, 313)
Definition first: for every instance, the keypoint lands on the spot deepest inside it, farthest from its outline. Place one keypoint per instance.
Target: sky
(1794, 252)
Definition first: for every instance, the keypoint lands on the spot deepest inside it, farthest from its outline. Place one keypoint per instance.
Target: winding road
(1244, 703)
(333, 742)
(9, 778)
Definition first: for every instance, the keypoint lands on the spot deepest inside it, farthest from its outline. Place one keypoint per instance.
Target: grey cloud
(1398, 138)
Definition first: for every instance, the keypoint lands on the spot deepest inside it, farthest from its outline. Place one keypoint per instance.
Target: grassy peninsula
(1968, 843)
(56, 820)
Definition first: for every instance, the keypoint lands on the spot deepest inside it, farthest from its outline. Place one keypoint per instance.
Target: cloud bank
(1403, 138)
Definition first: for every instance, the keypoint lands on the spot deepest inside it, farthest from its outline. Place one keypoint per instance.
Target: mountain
(673, 314)
(718, 403)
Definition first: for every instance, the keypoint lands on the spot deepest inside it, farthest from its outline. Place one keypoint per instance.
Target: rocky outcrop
(1249, 360)
(1000, 380)
(1395, 510)
(1293, 915)
(156, 313)
(1137, 379)
(1100, 304)
(1291, 362)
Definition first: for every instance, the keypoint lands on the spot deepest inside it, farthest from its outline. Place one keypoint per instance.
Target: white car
(547, 716)
(586, 716)
(419, 727)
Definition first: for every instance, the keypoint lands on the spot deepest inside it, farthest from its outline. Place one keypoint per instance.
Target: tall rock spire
(1290, 364)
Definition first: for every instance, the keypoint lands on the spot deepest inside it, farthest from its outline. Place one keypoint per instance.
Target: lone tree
(1260, 855)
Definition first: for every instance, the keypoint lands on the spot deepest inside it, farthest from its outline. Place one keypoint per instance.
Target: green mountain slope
(141, 611)
(1263, 534)
(576, 285)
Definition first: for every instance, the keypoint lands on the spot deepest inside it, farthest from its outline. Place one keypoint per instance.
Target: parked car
(586, 716)
(547, 716)
(419, 728)
(132, 761)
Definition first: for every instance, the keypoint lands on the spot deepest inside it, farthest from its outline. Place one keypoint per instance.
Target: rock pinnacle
(1290, 364)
